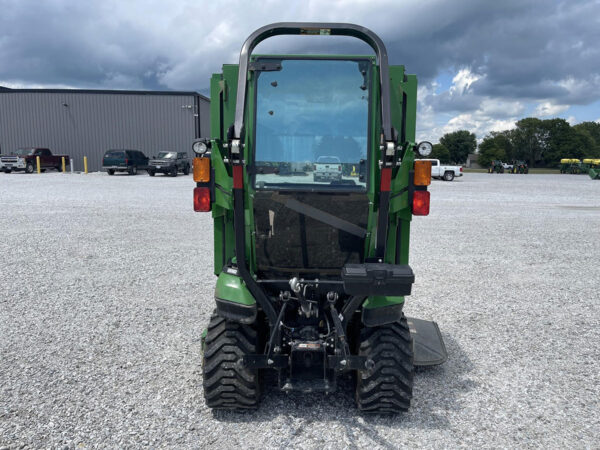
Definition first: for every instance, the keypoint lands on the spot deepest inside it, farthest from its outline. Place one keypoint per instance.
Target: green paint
(203, 340)
(379, 301)
(232, 288)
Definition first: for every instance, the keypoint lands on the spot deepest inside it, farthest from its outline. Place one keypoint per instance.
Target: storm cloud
(505, 59)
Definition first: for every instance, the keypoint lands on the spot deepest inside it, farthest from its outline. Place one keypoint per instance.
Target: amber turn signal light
(201, 170)
(201, 199)
(422, 173)
(420, 205)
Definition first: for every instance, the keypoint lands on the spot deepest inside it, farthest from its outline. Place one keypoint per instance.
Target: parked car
(26, 159)
(169, 163)
(446, 173)
(121, 160)
(328, 168)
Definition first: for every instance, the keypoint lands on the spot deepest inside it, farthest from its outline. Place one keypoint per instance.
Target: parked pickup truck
(25, 159)
(446, 173)
(327, 168)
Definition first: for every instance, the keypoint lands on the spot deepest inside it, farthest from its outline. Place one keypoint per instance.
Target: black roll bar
(315, 28)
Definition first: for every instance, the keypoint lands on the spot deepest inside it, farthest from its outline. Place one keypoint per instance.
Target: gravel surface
(107, 286)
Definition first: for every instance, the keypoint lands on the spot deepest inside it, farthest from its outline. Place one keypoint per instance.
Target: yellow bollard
(63, 165)
(37, 162)
(85, 164)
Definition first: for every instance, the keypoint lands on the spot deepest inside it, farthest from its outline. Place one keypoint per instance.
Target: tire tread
(387, 387)
(226, 384)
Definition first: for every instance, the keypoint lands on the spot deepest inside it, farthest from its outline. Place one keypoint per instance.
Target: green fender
(380, 310)
(234, 300)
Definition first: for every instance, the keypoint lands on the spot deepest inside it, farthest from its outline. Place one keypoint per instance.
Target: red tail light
(201, 199)
(420, 205)
(461, 168)
(126, 161)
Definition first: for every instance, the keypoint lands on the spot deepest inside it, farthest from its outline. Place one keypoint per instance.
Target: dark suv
(124, 161)
(169, 163)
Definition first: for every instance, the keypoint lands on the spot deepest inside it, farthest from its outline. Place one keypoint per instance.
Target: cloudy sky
(481, 64)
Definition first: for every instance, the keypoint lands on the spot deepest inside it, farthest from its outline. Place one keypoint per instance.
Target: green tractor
(496, 167)
(313, 275)
(519, 166)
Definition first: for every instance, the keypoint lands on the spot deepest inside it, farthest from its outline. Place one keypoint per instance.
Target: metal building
(88, 122)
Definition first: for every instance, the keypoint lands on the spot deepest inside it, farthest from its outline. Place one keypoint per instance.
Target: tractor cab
(311, 178)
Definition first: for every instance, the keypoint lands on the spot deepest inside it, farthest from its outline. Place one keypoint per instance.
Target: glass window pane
(312, 124)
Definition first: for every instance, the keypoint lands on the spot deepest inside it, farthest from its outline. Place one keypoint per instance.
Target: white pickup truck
(327, 168)
(446, 173)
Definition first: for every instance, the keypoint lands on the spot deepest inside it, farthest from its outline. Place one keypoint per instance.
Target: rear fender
(380, 310)
(234, 300)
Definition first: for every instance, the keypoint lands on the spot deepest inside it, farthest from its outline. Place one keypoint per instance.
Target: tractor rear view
(496, 167)
(313, 266)
(519, 166)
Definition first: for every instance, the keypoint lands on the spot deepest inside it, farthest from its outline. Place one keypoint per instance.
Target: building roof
(103, 91)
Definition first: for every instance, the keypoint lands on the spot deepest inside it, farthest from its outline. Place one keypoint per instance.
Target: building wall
(84, 123)
(472, 161)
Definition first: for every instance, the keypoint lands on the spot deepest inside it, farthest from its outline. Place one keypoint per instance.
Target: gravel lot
(107, 286)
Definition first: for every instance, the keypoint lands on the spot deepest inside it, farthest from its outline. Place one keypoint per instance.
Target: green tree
(591, 130)
(440, 152)
(564, 141)
(530, 140)
(490, 149)
(503, 140)
(459, 143)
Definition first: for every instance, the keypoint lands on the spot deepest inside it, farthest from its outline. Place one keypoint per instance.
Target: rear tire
(227, 385)
(449, 176)
(387, 387)
(110, 172)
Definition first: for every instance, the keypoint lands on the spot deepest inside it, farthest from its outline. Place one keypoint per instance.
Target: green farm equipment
(576, 166)
(519, 166)
(593, 168)
(589, 164)
(570, 165)
(496, 167)
(313, 274)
